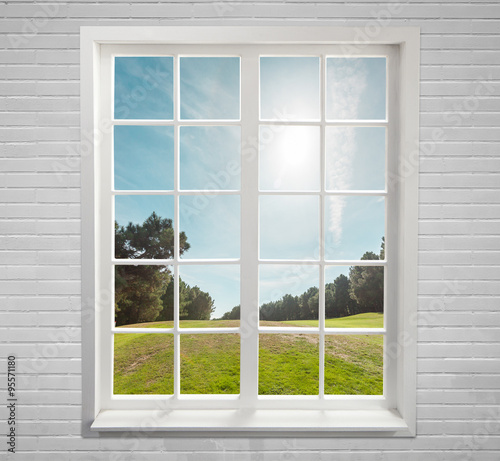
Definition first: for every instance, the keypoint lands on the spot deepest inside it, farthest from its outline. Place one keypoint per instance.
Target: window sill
(256, 423)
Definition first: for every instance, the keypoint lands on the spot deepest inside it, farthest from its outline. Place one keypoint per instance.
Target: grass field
(288, 363)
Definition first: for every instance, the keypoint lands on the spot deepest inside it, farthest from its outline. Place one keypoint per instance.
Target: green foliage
(291, 307)
(138, 293)
(154, 239)
(338, 302)
(233, 314)
(367, 285)
(140, 290)
(199, 305)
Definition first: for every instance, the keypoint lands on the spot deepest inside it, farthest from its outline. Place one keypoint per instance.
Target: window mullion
(177, 342)
(249, 228)
(322, 302)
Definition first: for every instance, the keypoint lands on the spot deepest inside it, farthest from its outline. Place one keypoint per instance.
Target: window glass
(143, 157)
(210, 88)
(289, 88)
(144, 87)
(356, 88)
(289, 227)
(354, 225)
(210, 157)
(289, 158)
(288, 295)
(355, 158)
(209, 296)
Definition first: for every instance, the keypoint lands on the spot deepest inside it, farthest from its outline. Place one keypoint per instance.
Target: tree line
(145, 293)
(361, 292)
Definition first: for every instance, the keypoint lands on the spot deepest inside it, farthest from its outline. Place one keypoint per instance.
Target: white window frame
(390, 414)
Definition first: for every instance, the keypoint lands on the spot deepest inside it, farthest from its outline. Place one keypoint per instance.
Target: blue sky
(144, 88)
(210, 157)
(222, 282)
(133, 157)
(210, 88)
(137, 208)
(289, 227)
(290, 85)
(212, 225)
(289, 159)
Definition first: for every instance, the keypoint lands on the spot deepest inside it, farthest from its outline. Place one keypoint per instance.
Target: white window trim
(346, 414)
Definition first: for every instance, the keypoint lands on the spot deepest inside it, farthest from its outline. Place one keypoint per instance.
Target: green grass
(210, 363)
(144, 364)
(187, 324)
(368, 320)
(354, 364)
(288, 364)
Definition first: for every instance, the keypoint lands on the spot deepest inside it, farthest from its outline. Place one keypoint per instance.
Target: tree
(341, 300)
(167, 312)
(154, 239)
(233, 314)
(367, 285)
(290, 307)
(199, 305)
(140, 290)
(309, 304)
(138, 293)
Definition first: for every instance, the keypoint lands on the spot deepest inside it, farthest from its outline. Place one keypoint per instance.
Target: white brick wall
(459, 288)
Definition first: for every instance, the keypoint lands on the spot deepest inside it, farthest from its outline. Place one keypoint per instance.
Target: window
(249, 230)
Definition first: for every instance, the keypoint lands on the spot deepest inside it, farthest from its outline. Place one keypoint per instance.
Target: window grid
(322, 263)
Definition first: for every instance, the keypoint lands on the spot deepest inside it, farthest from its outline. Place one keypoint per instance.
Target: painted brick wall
(459, 288)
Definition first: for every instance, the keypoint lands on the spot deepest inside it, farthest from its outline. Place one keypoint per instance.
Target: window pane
(150, 234)
(143, 364)
(289, 158)
(210, 157)
(212, 225)
(289, 88)
(210, 364)
(354, 296)
(144, 157)
(144, 88)
(144, 296)
(355, 158)
(354, 226)
(354, 365)
(210, 88)
(209, 296)
(288, 364)
(288, 295)
(289, 227)
(355, 88)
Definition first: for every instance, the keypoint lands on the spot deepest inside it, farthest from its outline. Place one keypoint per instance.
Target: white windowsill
(260, 422)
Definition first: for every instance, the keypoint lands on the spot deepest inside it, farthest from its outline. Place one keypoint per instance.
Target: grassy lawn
(144, 364)
(369, 320)
(288, 362)
(210, 364)
(187, 324)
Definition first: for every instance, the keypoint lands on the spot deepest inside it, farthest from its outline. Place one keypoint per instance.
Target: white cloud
(346, 83)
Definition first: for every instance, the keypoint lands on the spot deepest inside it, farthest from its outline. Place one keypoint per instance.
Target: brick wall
(459, 226)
